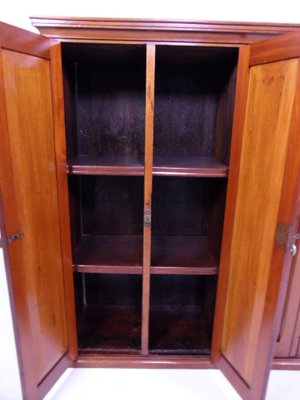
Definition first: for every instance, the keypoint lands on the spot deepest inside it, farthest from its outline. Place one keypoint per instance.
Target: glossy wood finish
(138, 30)
(232, 346)
(113, 165)
(149, 132)
(181, 239)
(37, 200)
(97, 360)
(30, 205)
(238, 126)
(13, 38)
(109, 253)
(280, 48)
(63, 196)
(253, 251)
(182, 255)
(189, 167)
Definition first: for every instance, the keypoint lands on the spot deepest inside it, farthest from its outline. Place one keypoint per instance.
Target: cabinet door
(258, 231)
(30, 217)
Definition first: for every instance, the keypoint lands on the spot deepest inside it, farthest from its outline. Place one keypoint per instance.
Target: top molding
(154, 30)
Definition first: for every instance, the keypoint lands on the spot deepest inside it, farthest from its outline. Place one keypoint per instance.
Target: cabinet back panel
(110, 99)
(109, 312)
(182, 206)
(181, 314)
(109, 205)
(113, 290)
(189, 81)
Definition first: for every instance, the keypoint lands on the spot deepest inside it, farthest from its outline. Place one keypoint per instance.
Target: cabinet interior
(105, 102)
(181, 314)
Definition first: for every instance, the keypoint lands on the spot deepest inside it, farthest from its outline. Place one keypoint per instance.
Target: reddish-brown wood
(137, 30)
(275, 49)
(248, 367)
(97, 360)
(149, 131)
(234, 166)
(189, 166)
(109, 252)
(57, 370)
(281, 259)
(14, 39)
(62, 190)
(98, 212)
(29, 193)
(88, 165)
(286, 363)
(182, 254)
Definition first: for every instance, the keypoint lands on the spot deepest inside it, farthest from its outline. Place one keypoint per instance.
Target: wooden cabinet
(151, 171)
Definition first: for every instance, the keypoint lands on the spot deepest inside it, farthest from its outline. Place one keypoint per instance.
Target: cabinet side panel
(266, 132)
(30, 126)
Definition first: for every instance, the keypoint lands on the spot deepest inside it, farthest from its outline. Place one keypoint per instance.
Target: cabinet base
(132, 361)
(286, 363)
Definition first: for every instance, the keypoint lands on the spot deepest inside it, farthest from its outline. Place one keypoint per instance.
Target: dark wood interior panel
(112, 205)
(109, 312)
(182, 254)
(224, 119)
(102, 252)
(216, 218)
(108, 205)
(106, 220)
(181, 314)
(189, 83)
(109, 89)
(181, 206)
(187, 223)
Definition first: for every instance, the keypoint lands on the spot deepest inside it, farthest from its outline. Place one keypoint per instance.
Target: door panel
(261, 173)
(30, 205)
(252, 266)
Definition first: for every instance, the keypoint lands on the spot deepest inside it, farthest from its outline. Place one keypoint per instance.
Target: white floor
(137, 384)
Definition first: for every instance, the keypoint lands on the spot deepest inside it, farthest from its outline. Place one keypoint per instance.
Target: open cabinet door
(32, 193)
(259, 229)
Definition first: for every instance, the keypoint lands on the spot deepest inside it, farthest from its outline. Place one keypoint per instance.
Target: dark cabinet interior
(181, 314)
(105, 99)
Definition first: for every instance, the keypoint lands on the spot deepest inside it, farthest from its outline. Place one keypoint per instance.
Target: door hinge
(283, 234)
(147, 218)
(15, 236)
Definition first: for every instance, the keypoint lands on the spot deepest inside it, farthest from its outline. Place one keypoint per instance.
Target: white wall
(17, 12)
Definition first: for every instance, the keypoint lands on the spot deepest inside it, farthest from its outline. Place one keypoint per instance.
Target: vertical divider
(149, 131)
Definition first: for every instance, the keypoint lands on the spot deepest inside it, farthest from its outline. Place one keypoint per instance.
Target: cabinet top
(162, 31)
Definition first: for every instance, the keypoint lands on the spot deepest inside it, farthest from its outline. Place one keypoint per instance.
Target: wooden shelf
(189, 166)
(188, 255)
(109, 165)
(112, 254)
(178, 330)
(174, 255)
(162, 166)
(110, 328)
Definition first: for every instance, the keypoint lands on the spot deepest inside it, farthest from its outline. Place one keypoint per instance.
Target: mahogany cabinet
(149, 186)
